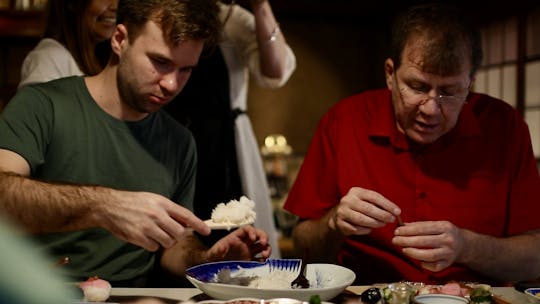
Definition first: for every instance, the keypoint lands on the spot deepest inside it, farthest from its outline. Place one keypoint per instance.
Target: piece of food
(234, 213)
(371, 296)
(387, 295)
(95, 289)
(452, 288)
(481, 295)
(315, 299)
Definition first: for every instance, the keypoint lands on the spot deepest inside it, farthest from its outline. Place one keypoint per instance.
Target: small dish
(533, 292)
(436, 298)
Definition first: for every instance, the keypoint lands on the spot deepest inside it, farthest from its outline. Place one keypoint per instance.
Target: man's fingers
(378, 209)
(435, 266)
(187, 219)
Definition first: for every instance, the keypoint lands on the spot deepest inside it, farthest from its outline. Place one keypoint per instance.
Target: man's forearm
(514, 258)
(314, 240)
(43, 207)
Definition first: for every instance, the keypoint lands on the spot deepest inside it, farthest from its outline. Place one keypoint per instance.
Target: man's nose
(431, 104)
(170, 82)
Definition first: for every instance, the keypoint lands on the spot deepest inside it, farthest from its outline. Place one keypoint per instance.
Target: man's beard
(128, 93)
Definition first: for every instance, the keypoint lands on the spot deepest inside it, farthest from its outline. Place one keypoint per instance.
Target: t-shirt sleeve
(26, 124)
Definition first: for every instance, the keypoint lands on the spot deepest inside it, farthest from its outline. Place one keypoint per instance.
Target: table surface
(504, 294)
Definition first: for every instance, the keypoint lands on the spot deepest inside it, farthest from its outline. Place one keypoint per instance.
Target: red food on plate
(95, 289)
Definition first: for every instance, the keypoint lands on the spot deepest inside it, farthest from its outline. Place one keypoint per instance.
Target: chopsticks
(399, 221)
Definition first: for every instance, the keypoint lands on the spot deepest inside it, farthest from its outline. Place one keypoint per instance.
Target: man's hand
(244, 243)
(146, 219)
(436, 245)
(360, 211)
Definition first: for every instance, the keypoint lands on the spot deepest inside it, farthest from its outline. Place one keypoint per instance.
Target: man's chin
(422, 138)
(151, 108)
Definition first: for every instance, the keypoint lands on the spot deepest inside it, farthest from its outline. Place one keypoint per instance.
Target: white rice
(276, 279)
(235, 212)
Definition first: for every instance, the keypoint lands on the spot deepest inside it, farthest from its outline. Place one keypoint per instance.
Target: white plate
(327, 280)
(225, 226)
(439, 299)
(256, 301)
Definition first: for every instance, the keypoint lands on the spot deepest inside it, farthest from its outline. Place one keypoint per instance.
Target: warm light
(275, 144)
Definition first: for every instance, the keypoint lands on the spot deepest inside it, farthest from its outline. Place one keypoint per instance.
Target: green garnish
(481, 295)
(315, 299)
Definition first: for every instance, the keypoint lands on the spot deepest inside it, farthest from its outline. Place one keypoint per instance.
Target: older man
(457, 167)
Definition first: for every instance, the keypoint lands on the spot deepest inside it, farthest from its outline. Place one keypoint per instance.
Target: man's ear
(389, 72)
(473, 80)
(119, 38)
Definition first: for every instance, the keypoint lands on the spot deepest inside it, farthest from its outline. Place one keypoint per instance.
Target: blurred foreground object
(27, 277)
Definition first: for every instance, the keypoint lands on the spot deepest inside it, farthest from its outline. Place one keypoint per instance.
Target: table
(506, 294)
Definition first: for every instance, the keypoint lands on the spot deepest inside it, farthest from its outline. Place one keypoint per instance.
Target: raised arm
(271, 41)
(144, 219)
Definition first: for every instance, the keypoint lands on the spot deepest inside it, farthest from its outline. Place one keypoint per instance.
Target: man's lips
(425, 127)
(159, 100)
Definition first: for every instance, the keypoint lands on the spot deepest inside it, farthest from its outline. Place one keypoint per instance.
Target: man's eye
(160, 62)
(420, 88)
(186, 70)
(449, 93)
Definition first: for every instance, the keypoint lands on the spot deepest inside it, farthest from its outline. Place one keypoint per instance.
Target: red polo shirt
(481, 176)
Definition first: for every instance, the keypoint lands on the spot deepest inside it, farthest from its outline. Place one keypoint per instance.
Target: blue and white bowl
(533, 292)
(207, 272)
(326, 280)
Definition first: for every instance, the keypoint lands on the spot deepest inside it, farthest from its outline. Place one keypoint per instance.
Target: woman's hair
(180, 20)
(445, 35)
(66, 24)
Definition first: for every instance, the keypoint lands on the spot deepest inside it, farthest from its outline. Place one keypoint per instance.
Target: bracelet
(273, 35)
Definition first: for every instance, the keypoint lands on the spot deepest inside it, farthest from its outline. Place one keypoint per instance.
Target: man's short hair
(180, 20)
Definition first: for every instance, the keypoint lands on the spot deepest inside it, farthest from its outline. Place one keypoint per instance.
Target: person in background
(213, 107)
(456, 166)
(97, 172)
(75, 41)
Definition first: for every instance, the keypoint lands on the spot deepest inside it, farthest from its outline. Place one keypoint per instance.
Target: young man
(457, 167)
(99, 173)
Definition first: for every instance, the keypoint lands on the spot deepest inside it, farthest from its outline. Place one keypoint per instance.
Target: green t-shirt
(66, 137)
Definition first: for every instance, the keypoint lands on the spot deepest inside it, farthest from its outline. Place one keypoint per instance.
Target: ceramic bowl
(439, 299)
(327, 280)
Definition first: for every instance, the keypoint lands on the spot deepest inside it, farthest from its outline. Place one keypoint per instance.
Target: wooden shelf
(21, 25)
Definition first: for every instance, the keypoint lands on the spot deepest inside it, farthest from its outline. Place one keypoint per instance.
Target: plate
(533, 292)
(439, 299)
(256, 301)
(327, 280)
(225, 226)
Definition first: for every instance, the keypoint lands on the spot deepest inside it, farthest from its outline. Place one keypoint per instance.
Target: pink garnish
(95, 289)
(453, 289)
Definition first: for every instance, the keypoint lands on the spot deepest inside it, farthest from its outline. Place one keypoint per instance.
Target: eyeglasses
(414, 97)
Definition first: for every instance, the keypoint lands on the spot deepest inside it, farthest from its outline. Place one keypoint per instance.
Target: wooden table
(172, 295)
